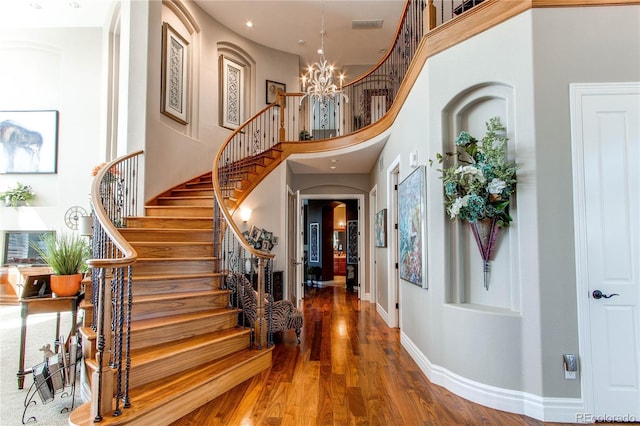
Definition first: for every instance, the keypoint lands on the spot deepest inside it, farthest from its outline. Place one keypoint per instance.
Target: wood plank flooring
(349, 369)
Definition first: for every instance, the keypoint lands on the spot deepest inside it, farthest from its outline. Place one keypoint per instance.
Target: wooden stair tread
(142, 277)
(182, 295)
(176, 259)
(172, 217)
(171, 243)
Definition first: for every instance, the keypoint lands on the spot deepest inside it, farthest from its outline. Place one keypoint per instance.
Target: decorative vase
(485, 232)
(66, 285)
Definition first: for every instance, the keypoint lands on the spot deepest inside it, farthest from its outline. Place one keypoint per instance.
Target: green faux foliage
(480, 182)
(20, 193)
(65, 253)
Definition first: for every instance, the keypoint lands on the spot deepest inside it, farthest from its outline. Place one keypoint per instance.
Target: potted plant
(66, 255)
(18, 195)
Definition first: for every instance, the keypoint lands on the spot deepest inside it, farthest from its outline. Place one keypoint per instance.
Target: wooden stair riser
(144, 267)
(173, 250)
(145, 285)
(192, 192)
(170, 222)
(167, 235)
(186, 201)
(179, 330)
(203, 183)
(163, 307)
(179, 211)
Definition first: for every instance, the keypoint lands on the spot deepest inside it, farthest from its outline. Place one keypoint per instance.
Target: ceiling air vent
(367, 24)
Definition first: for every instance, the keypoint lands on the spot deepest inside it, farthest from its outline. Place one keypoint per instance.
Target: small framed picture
(255, 233)
(381, 228)
(175, 75)
(273, 87)
(266, 245)
(267, 236)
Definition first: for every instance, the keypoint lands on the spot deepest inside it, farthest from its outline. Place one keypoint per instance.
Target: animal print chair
(281, 315)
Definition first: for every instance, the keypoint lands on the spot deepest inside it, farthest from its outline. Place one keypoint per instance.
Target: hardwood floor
(349, 369)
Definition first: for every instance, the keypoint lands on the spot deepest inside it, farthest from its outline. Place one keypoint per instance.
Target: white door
(606, 143)
(292, 246)
(299, 217)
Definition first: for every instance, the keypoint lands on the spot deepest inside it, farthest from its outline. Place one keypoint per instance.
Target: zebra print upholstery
(281, 315)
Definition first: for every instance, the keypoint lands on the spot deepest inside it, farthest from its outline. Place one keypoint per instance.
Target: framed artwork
(411, 227)
(175, 75)
(231, 92)
(381, 228)
(273, 87)
(254, 233)
(352, 241)
(29, 141)
(19, 247)
(314, 242)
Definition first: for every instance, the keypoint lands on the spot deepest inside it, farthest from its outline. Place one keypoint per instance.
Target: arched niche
(469, 111)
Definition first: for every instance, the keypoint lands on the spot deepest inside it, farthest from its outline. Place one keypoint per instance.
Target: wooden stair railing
(264, 141)
(183, 335)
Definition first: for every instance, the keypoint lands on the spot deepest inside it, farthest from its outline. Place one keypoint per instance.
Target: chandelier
(318, 85)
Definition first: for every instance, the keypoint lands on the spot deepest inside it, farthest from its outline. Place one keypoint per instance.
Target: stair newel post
(260, 325)
(102, 379)
(281, 101)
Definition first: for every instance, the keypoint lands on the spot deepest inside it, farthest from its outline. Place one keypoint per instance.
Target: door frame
(394, 305)
(577, 92)
(362, 255)
(373, 209)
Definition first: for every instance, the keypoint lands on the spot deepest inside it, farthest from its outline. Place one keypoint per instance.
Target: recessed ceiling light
(249, 24)
(334, 161)
(333, 167)
(301, 42)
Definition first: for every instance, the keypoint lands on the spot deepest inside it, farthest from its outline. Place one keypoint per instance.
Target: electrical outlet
(570, 364)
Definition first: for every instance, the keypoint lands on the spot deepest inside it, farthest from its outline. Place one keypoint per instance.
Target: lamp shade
(245, 214)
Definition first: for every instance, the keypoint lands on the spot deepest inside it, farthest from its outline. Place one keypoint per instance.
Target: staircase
(185, 346)
(239, 178)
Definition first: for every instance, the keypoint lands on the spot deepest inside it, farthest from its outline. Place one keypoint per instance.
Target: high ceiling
(292, 26)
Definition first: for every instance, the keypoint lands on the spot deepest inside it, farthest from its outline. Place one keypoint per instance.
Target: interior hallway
(349, 368)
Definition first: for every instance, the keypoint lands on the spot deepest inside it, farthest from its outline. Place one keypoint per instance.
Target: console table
(45, 305)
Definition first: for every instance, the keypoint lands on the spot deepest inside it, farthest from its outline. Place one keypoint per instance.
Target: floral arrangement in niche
(478, 187)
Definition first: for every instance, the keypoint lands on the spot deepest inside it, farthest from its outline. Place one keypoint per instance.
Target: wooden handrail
(112, 310)
(130, 254)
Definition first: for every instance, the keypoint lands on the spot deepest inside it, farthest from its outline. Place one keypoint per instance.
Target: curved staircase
(186, 347)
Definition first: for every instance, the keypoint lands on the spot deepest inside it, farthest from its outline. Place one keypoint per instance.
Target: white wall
(54, 69)
(178, 152)
(507, 354)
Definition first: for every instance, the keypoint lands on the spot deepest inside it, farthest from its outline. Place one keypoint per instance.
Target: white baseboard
(562, 410)
(383, 314)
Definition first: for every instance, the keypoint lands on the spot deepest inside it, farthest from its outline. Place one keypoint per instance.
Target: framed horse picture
(29, 141)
